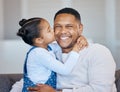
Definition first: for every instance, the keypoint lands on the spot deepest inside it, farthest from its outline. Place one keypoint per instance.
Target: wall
(12, 14)
(93, 18)
(12, 56)
(100, 19)
(117, 32)
(1, 19)
(43, 9)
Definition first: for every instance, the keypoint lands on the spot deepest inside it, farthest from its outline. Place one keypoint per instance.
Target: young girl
(41, 63)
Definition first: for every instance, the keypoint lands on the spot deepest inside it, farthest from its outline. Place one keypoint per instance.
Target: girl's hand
(81, 43)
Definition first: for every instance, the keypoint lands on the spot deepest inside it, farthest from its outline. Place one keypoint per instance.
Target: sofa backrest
(7, 80)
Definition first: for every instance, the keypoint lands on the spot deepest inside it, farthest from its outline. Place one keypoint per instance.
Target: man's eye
(69, 27)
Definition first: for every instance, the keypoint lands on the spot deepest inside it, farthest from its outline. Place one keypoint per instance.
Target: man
(95, 69)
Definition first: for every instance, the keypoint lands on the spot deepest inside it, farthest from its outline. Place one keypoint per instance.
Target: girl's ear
(39, 40)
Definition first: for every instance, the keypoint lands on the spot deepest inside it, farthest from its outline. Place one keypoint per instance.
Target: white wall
(118, 19)
(12, 56)
(117, 55)
(93, 18)
(100, 19)
(43, 8)
(12, 14)
(1, 19)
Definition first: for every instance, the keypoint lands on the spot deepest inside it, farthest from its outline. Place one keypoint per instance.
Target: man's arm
(41, 88)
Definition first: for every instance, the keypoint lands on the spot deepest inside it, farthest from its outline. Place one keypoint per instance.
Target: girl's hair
(29, 29)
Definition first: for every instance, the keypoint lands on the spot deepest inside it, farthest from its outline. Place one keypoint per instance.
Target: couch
(7, 80)
(117, 80)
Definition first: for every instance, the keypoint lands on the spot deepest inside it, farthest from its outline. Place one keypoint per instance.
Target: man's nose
(63, 30)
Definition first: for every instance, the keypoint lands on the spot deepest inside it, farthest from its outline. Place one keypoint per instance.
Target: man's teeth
(64, 38)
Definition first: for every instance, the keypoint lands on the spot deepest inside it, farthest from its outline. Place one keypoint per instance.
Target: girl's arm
(45, 58)
(53, 64)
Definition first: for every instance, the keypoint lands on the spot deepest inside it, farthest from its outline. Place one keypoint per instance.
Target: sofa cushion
(5, 84)
(7, 80)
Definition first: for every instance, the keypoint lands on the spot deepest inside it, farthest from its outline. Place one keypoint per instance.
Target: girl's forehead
(44, 23)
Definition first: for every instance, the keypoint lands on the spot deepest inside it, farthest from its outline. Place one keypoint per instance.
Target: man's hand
(41, 88)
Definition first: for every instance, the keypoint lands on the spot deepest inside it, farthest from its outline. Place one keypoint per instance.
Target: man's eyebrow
(57, 24)
(69, 24)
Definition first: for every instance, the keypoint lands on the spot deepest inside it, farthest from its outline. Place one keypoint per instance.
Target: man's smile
(65, 37)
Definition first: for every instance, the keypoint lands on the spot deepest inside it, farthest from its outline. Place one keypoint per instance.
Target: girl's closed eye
(48, 30)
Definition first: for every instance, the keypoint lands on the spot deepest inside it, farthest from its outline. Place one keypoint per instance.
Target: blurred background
(101, 20)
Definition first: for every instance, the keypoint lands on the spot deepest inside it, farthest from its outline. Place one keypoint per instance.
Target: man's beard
(71, 45)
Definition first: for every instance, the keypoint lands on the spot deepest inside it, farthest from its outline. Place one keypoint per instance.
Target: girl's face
(46, 33)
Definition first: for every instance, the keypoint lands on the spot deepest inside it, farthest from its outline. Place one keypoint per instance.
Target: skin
(66, 30)
(46, 35)
(47, 32)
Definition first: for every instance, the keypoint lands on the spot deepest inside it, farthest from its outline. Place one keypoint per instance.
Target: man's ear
(80, 28)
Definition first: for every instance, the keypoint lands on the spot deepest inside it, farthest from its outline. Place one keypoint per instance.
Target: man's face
(67, 30)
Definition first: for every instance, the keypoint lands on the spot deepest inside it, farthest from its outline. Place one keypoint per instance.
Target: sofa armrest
(7, 80)
(117, 81)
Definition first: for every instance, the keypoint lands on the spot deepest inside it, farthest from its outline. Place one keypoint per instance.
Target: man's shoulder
(97, 48)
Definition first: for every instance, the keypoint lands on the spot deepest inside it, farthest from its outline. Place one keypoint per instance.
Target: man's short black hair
(69, 11)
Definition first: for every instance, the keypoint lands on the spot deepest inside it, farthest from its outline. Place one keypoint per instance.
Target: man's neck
(66, 50)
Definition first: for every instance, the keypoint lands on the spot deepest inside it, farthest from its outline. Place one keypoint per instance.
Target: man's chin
(65, 46)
